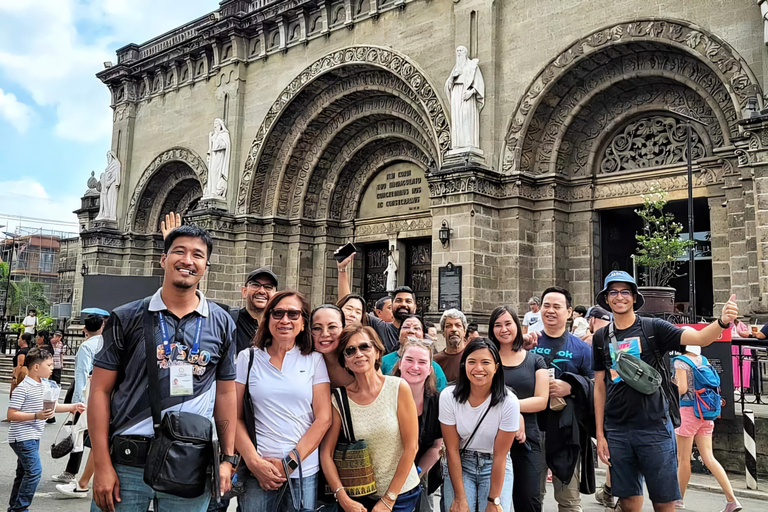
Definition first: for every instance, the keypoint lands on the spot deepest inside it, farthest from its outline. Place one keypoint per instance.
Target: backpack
(706, 389)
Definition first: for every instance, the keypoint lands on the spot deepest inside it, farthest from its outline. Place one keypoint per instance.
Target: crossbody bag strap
(342, 400)
(614, 343)
(153, 380)
(472, 435)
(247, 394)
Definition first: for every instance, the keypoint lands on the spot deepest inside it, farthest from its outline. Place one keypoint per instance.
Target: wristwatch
(391, 496)
(495, 501)
(232, 459)
(290, 463)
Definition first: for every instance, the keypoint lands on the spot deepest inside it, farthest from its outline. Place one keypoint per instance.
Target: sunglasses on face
(278, 314)
(352, 350)
(624, 293)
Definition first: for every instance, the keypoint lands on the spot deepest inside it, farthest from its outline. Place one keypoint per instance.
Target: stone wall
(728, 444)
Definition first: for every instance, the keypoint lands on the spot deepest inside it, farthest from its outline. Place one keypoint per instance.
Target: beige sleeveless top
(377, 424)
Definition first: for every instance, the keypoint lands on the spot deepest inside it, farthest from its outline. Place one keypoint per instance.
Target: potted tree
(658, 248)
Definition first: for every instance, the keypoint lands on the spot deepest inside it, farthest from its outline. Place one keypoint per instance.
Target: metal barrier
(752, 360)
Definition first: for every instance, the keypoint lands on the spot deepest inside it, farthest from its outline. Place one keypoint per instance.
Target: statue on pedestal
(391, 270)
(219, 145)
(110, 182)
(466, 91)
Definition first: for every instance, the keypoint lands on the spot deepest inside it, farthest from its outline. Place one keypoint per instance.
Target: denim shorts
(649, 454)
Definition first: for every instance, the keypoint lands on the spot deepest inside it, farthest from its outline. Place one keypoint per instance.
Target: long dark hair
(343, 301)
(498, 389)
(263, 337)
(43, 333)
(517, 343)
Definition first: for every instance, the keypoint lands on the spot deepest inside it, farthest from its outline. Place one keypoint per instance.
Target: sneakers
(679, 504)
(604, 497)
(72, 490)
(732, 506)
(64, 477)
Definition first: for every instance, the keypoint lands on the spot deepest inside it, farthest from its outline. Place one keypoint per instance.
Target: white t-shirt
(282, 401)
(533, 321)
(504, 416)
(580, 326)
(29, 324)
(27, 397)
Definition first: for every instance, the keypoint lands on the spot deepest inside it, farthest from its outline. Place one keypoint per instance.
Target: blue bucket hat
(619, 276)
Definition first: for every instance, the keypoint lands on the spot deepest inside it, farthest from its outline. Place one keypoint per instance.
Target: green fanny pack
(638, 374)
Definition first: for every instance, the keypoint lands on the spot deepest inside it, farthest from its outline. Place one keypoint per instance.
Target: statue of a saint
(218, 160)
(110, 182)
(466, 91)
(391, 270)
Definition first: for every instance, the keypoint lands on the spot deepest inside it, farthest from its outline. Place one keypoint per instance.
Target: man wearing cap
(597, 317)
(259, 287)
(635, 434)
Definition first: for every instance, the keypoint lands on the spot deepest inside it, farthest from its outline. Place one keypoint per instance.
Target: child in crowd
(27, 417)
(580, 325)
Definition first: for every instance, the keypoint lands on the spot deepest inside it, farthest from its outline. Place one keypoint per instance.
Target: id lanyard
(167, 339)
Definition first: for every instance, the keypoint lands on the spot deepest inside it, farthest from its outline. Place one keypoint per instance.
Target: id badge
(181, 380)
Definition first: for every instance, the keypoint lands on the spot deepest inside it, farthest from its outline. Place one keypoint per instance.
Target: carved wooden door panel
(374, 280)
(419, 272)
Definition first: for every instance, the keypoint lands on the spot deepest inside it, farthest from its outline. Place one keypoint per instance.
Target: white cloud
(53, 48)
(26, 203)
(14, 111)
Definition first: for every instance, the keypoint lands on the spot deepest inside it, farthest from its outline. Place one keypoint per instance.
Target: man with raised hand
(635, 433)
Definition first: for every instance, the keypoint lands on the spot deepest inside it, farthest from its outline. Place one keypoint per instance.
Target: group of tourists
(292, 408)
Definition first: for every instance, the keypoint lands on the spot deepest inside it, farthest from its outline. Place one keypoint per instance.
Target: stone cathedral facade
(340, 131)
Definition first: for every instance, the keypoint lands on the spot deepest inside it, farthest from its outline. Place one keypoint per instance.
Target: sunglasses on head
(352, 350)
(278, 314)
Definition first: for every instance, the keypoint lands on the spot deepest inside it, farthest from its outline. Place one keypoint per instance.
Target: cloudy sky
(55, 120)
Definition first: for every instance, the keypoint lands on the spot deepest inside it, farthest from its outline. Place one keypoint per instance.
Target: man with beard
(259, 287)
(192, 340)
(453, 323)
(383, 309)
(403, 305)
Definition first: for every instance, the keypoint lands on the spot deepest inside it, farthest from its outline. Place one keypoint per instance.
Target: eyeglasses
(267, 287)
(278, 314)
(352, 350)
(624, 293)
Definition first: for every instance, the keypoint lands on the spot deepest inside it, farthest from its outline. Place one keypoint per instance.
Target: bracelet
(386, 504)
(343, 270)
(336, 492)
(722, 325)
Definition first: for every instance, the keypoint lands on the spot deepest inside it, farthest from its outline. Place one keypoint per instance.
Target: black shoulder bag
(182, 450)
(669, 388)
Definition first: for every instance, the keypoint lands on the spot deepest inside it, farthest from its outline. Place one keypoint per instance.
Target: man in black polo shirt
(196, 368)
(259, 287)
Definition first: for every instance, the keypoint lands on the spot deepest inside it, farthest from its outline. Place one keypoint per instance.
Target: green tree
(26, 294)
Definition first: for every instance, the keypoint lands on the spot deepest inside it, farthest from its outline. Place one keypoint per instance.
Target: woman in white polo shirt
(291, 398)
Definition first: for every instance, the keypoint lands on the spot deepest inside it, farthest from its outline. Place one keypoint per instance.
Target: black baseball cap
(599, 313)
(263, 271)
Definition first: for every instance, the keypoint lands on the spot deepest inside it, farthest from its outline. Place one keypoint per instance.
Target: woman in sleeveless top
(384, 415)
(480, 418)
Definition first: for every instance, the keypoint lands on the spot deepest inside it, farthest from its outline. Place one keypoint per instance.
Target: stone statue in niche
(466, 91)
(110, 182)
(219, 145)
(391, 270)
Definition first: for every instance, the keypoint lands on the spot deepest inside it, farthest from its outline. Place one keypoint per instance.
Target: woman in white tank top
(384, 415)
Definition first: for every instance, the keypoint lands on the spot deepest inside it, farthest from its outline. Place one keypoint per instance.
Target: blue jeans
(257, 499)
(136, 496)
(649, 454)
(476, 475)
(28, 474)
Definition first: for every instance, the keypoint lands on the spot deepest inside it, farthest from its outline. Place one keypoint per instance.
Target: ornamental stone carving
(650, 142)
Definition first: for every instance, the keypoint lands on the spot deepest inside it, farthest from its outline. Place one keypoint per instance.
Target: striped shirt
(27, 397)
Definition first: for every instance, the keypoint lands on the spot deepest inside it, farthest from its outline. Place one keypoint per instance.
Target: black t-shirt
(429, 432)
(522, 380)
(389, 334)
(626, 408)
(20, 352)
(246, 329)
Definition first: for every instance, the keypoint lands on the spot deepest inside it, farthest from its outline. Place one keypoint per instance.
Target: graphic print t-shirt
(566, 354)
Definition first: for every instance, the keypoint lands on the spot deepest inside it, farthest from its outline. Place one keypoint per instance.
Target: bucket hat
(619, 276)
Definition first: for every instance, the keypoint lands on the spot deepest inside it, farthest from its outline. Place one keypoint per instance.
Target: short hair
(463, 386)
(93, 323)
(453, 313)
(36, 355)
(27, 336)
(192, 232)
(366, 330)
(472, 328)
(32, 310)
(560, 290)
(380, 303)
(517, 343)
(429, 325)
(582, 310)
(263, 337)
(343, 301)
(535, 300)
(57, 332)
(403, 289)
(430, 385)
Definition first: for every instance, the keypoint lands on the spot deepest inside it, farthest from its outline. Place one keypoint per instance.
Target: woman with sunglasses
(415, 367)
(291, 397)
(384, 415)
(327, 321)
(354, 309)
(526, 374)
(480, 418)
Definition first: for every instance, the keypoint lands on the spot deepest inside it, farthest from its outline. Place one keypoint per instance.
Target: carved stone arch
(618, 42)
(317, 77)
(171, 167)
(314, 196)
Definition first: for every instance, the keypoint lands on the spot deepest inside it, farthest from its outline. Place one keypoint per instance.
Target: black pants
(526, 464)
(56, 376)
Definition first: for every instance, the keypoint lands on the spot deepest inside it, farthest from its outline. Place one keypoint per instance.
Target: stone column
(221, 282)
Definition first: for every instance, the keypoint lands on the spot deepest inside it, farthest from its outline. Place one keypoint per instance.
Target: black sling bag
(182, 450)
